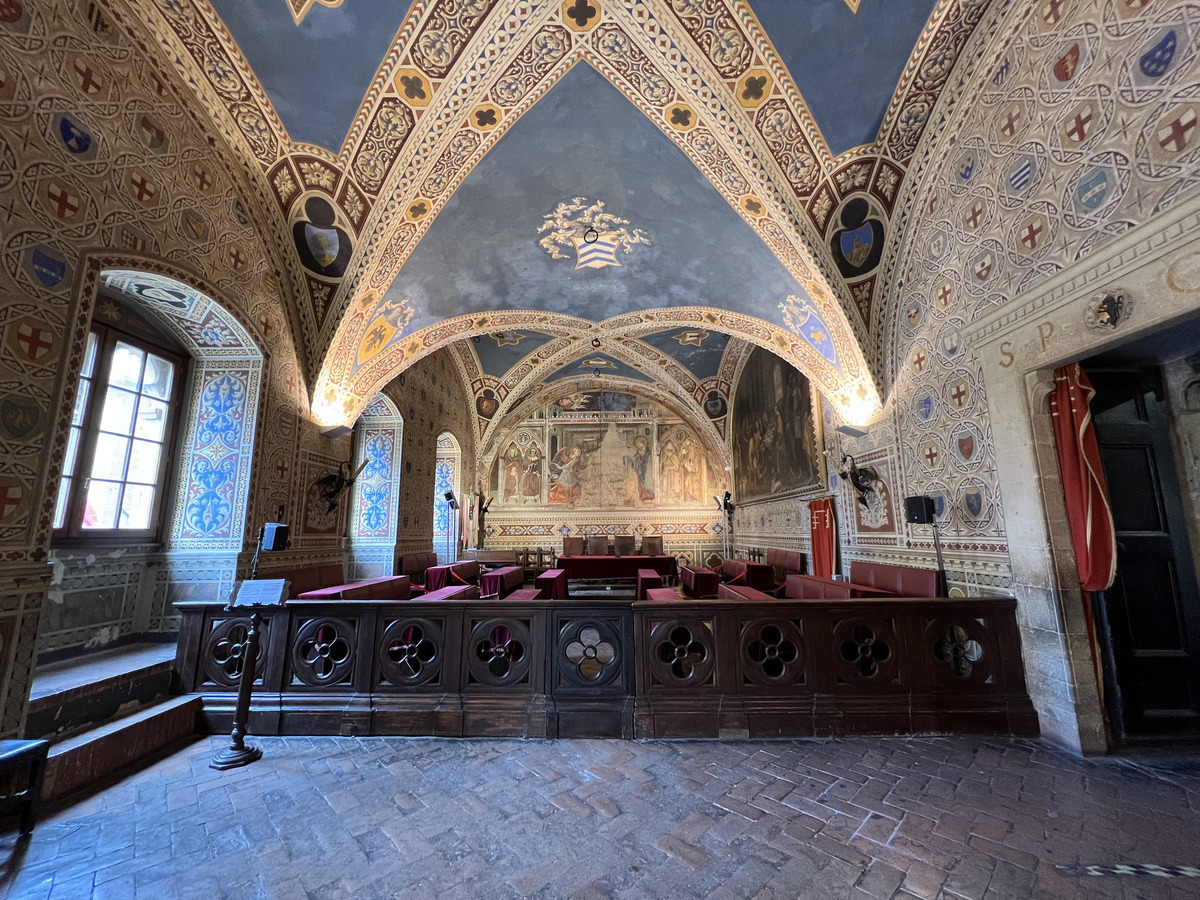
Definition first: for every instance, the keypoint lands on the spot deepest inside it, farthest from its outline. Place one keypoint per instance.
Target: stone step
(112, 745)
(71, 696)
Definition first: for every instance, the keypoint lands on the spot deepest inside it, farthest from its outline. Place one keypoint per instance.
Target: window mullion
(89, 430)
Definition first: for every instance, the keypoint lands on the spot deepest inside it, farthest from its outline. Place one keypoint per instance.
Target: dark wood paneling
(593, 668)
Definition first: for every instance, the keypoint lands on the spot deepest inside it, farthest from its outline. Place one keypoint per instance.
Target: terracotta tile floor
(423, 818)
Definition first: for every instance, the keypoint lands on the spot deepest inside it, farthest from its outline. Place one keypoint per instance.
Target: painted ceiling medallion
(595, 235)
(299, 8)
(694, 337)
(508, 338)
(411, 85)
(581, 15)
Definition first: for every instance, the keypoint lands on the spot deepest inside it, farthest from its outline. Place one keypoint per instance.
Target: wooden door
(1150, 617)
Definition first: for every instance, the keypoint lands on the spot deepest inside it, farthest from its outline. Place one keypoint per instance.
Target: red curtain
(1090, 516)
(820, 513)
(1083, 478)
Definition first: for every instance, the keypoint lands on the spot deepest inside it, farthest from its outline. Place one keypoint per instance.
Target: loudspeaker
(918, 510)
(275, 536)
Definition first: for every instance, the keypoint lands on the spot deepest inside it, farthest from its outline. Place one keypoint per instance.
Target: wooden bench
(759, 576)
(525, 594)
(647, 579)
(553, 584)
(391, 587)
(28, 759)
(741, 592)
(663, 594)
(501, 582)
(698, 581)
(453, 592)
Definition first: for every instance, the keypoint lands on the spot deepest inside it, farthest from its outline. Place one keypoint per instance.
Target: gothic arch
(855, 398)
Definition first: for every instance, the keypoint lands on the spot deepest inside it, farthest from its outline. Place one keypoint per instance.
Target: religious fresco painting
(602, 450)
(775, 446)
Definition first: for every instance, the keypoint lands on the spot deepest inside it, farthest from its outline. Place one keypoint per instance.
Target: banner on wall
(1093, 534)
(824, 540)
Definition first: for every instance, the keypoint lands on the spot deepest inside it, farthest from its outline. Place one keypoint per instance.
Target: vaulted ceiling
(598, 177)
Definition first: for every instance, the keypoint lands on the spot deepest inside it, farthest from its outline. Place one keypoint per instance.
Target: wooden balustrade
(591, 667)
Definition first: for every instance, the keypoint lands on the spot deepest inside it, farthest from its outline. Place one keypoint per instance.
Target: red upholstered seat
(501, 582)
(525, 594)
(647, 579)
(809, 587)
(662, 594)
(453, 592)
(390, 587)
(698, 581)
(903, 581)
(743, 571)
(553, 584)
(740, 592)
(785, 563)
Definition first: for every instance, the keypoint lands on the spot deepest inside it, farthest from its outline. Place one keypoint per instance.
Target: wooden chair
(26, 758)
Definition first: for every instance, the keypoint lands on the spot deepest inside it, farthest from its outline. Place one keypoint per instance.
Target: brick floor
(367, 818)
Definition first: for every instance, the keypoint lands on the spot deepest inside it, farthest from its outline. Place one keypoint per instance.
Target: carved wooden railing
(587, 667)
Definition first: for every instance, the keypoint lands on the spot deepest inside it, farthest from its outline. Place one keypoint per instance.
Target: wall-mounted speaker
(918, 510)
(275, 536)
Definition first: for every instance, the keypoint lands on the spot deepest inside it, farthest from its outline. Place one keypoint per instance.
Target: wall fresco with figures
(603, 450)
(774, 435)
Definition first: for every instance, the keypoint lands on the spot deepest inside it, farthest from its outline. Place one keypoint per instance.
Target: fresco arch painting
(776, 448)
(604, 450)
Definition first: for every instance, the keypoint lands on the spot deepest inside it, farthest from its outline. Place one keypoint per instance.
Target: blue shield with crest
(49, 266)
(973, 500)
(1092, 189)
(73, 136)
(1155, 61)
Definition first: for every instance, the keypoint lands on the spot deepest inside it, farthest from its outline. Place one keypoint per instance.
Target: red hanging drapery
(1086, 493)
(820, 513)
(1092, 532)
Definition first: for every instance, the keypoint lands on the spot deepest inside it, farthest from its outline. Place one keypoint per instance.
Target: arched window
(447, 522)
(123, 432)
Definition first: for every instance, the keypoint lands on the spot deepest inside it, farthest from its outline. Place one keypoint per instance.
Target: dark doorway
(1149, 620)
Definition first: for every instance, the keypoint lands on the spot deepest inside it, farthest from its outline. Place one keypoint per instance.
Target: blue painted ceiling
(497, 353)
(317, 72)
(703, 360)
(584, 139)
(607, 367)
(846, 64)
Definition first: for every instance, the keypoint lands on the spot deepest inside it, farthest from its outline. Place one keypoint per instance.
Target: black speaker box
(275, 536)
(918, 510)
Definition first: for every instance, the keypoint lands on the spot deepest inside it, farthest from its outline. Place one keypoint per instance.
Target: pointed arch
(855, 398)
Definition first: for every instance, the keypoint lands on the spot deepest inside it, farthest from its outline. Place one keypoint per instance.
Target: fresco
(775, 448)
(602, 450)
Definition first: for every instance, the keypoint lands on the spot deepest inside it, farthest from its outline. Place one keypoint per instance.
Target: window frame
(72, 533)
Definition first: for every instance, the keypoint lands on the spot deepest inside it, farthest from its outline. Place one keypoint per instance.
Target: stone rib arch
(566, 353)
(854, 399)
